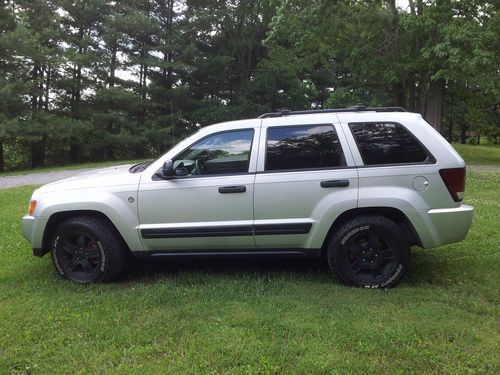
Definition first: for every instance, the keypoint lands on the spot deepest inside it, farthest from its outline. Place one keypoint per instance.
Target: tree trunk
(41, 87)
(47, 89)
(168, 55)
(249, 61)
(421, 97)
(434, 104)
(2, 166)
(412, 106)
(74, 150)
(463, 134)
(392, 7)
(398, 95)
(74, 153)
(34, 98)
(112, 66)
(37, 147)
(420, 7)
(111, 83)
(450, 131)
(110, 151)
(75, 147)
(38, 152)
(412, 7)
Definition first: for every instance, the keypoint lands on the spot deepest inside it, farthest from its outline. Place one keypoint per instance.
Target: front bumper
(33, 229)
(40, 252)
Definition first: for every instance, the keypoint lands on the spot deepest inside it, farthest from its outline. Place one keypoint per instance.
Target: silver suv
(359, 186)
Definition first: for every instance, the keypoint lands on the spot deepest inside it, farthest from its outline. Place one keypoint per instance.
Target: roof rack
(356, 108)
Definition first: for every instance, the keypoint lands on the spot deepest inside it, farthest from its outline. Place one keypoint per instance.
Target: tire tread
(114, 248)
(377, 220)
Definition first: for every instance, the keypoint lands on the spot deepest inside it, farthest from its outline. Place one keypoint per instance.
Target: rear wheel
(369, 252)
(87, 249)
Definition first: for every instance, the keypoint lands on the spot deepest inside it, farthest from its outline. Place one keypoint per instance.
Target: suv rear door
(305, 178)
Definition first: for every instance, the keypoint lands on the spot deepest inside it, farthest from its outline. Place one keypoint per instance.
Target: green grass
(243, 317)
(70, 166)
(479, 154)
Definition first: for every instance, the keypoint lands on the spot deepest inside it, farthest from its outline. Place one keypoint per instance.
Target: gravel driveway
(41, 178)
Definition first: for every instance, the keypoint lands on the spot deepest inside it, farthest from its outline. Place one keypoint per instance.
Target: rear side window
(387, 143)
(303, 147)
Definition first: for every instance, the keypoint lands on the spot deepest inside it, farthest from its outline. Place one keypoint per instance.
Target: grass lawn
(479, 154)
(243, 317)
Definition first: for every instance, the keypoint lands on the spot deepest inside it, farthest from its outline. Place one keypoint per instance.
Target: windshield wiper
(139, 167)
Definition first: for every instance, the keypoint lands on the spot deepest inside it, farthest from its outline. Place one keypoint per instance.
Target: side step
(313, 253)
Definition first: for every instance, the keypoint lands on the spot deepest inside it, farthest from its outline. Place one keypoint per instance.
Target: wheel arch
(390, 213)
(58, 217)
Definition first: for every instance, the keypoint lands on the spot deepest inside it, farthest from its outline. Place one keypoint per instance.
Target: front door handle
(334, 183)
(232, 189)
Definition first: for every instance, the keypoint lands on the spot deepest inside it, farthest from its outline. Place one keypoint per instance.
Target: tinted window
(301, 147)
(387, 143)
(221, 153)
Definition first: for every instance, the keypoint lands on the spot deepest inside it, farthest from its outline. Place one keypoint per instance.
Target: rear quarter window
(388, 143)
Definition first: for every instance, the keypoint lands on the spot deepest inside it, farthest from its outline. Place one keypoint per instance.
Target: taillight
(454, 179)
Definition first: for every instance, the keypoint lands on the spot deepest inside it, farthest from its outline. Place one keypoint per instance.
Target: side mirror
(167, 170)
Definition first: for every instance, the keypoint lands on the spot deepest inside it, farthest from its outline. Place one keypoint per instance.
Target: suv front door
(209, 204)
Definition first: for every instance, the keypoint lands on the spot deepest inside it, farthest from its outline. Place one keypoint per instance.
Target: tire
(87, 249)
(369, 252)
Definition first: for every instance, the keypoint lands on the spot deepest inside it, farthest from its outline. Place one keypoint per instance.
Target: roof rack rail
(356, 108)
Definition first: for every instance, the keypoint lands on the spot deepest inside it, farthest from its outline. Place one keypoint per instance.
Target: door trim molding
(227, 230)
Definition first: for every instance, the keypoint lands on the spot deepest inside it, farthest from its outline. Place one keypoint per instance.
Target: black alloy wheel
(371, 256)
(88, 249)
(369, 252)
(79, 255)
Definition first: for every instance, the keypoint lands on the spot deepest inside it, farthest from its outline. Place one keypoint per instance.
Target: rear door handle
(232, 189)
(334, 183)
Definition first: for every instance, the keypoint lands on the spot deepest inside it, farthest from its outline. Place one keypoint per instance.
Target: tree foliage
(99, 79)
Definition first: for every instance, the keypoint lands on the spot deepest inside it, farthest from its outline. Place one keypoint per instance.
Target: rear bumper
(444, 225)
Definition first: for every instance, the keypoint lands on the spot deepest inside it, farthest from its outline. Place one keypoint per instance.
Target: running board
(230, 253)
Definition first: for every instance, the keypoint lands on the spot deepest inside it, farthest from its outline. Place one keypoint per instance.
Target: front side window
(387, 143)
(303, 147)
(221, 153)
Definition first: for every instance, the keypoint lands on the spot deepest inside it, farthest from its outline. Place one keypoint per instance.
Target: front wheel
(87, 249)
(369, 252)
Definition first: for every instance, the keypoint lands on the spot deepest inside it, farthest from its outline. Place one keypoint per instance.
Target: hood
(105, 177)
